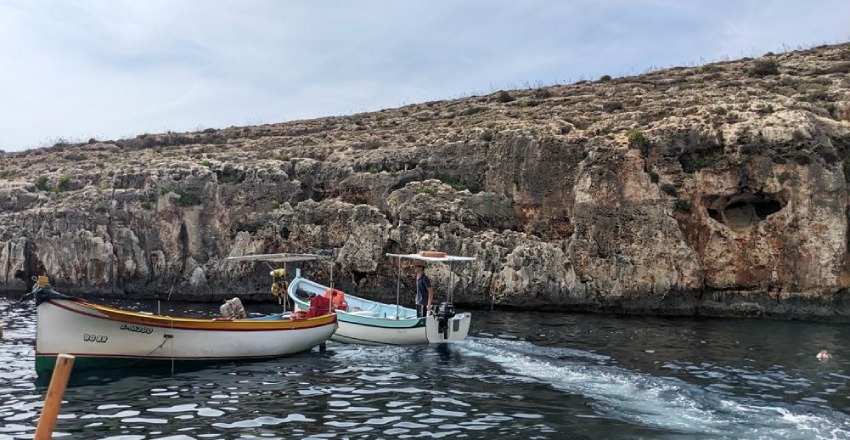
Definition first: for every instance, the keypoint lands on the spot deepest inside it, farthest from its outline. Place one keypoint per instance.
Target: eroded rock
(702, 191)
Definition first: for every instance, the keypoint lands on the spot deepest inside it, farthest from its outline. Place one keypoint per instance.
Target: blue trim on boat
(407, 317)
(275, 317)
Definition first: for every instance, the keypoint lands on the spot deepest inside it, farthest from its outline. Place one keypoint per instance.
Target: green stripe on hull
(45, 364)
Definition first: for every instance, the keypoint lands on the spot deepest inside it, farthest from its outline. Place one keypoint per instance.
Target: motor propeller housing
(445, 312)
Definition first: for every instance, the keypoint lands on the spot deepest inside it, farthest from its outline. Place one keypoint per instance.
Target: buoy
(824, 356)
(433, 254)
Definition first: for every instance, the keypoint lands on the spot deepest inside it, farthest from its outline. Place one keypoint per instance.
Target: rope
(17, 303)
(164, 340)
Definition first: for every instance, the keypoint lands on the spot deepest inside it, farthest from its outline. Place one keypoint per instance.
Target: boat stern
(456, 328)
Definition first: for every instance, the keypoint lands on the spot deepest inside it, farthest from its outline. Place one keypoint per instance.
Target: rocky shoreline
(719, 190)
(713, 305)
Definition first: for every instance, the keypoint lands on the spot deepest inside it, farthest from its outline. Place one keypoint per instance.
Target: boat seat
(367, 313)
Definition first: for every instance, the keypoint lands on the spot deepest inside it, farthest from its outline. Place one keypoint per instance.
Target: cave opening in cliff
(766, 207)
(743, 210)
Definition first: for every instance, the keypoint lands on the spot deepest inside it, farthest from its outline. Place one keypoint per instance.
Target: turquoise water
(527, 375)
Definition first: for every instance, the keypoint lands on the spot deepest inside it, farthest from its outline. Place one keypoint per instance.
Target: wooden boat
(374, 323)
(108, 337)
(370, 322)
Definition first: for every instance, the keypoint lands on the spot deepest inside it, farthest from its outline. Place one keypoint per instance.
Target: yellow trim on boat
(207, 324)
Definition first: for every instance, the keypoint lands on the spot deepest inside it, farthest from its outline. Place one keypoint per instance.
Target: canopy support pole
(451, 295)
(285, 293)
(398, 290)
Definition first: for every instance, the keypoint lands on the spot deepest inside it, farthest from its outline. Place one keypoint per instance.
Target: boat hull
(359, 333)
(351, 331)
(101, 336)
(380, 325)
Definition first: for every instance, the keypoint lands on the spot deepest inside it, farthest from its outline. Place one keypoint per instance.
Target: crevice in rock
(847, 232)
(715, 215)
(358, 276)
(113, 261)
(744, 209)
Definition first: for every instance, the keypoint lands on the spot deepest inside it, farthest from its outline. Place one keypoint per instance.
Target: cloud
(80, 69)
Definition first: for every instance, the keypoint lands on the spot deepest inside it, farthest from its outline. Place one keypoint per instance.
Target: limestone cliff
(713, 190)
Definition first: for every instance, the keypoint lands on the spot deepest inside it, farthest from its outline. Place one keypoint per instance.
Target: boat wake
(658, 402)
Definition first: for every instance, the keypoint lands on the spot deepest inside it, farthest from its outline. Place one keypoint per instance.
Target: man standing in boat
(424, 291)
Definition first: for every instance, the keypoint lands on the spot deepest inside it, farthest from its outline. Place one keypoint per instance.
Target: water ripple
(545, 376)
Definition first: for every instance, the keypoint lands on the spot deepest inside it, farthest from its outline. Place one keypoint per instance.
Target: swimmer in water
(824, 356)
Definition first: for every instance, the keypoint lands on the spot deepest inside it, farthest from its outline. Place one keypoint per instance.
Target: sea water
(519, 375)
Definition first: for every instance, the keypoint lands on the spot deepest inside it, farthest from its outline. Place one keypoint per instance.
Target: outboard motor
(444, 313)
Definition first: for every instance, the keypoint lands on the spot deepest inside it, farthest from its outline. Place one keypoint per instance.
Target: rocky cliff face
(715, 190)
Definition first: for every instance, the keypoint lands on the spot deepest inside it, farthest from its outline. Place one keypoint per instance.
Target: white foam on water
(658, 402)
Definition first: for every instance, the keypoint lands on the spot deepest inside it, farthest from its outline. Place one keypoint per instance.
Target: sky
(109, 69)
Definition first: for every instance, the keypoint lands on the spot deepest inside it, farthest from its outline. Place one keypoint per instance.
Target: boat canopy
(432, 257)
(280, 258)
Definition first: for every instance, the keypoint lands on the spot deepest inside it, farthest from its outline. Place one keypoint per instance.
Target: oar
(58, 382)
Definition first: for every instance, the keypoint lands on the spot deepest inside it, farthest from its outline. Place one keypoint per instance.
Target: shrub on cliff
(638, 140)
(654, 177)
(696, 161)
(669, 189)
(605, 78)
(542, 94)
(229, 175)
(682, 205)
(611, 106)
(187, 199)
(503, 97)
(802, 158)
(64, 184)
(40, 183)
(456, 184)
(762, 68)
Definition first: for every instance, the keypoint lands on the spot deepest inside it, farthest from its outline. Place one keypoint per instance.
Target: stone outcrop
(716, 190)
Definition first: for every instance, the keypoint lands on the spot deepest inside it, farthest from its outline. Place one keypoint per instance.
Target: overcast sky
(110, 69)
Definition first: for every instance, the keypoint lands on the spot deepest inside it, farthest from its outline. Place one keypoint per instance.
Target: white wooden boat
(108, 337)
(370, 322)
(374, 323)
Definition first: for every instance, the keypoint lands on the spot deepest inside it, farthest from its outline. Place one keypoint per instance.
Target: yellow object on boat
(278, 273)
(43, 281)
